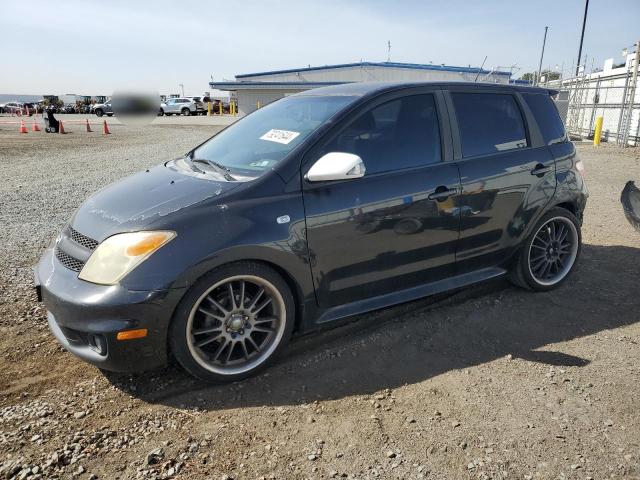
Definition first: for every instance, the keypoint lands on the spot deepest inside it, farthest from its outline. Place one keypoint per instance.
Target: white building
(253, 90)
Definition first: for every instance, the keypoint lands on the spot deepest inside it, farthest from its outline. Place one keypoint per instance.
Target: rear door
(397, 226)
(507, 173)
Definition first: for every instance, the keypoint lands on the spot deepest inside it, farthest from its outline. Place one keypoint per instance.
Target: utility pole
(388, 51)
(544, 41)
(181, 85)
(584, 23)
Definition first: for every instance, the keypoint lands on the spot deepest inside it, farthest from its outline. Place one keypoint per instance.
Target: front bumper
(86, 318)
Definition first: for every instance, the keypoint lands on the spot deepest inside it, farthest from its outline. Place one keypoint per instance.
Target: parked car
(182, 106)
(322, 205)
(215, 106)
(13, 107)
(105, 108)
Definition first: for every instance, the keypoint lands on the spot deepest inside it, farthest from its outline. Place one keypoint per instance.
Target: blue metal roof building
(256, 89)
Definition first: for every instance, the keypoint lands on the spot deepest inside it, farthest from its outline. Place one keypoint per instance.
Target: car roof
(364, 89)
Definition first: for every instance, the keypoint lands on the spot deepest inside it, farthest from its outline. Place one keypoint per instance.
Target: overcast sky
(93, 47)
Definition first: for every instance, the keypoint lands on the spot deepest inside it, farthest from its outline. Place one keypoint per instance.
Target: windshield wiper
(224, 170)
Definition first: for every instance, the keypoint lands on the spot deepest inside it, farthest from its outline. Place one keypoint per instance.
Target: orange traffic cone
(23, 127)
(61, 127)
(88, 126)
(35, 127)
(105, 128)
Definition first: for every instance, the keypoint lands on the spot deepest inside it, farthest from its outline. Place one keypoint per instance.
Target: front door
(397, 226)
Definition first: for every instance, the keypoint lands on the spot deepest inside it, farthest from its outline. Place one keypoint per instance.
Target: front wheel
(186, 112)
(550, 253)
(232, 322)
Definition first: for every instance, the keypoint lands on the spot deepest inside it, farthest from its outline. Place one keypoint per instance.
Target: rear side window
(399, 134)
(547, 117)
(489, 123)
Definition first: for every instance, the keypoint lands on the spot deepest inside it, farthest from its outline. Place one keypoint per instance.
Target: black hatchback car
(322, 205)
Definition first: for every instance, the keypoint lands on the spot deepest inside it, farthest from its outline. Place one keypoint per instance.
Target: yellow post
(208, 109)
(258, 104)
(220, 107)
(598, 133)
(233, 108)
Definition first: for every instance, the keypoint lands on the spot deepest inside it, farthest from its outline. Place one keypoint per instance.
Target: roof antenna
(388, 51)
(480, 70)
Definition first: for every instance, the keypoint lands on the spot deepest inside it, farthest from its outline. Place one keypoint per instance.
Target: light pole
(544, 41)
(181, 85)
(584, 23)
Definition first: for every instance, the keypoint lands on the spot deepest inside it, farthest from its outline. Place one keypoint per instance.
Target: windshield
(261, 140)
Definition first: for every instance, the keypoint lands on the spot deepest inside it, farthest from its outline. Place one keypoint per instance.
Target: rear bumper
(86, 318)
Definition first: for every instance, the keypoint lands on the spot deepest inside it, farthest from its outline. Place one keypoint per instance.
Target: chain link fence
(584, 98)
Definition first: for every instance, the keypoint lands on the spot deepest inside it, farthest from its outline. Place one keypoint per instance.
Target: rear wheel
(99, 112)
(550, 253)
(186, 112)
(233, 322)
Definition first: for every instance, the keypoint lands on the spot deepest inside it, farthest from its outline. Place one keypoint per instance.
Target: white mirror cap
(336, 166)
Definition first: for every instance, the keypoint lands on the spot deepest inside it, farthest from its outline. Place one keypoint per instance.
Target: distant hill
(8, 97)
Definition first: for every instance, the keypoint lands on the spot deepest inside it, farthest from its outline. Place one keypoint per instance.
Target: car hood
(139, 200)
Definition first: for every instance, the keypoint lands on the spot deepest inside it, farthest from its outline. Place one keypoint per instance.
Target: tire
(544, 266)
(161, 113)
(109, 114)
(186, 112)
(225, 349)
(99, 112)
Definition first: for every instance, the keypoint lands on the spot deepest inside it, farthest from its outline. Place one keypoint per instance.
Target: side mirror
(336, 166)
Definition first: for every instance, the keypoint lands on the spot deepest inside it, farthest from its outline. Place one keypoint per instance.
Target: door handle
(540, 170)
(442, 193)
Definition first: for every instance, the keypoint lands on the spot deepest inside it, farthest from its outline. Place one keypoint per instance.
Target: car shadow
(420, 340)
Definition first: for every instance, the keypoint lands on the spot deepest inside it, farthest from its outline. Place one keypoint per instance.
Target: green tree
(547, 74)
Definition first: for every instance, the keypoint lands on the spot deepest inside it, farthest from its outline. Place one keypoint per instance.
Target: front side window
(261, 140)
(399, 134)
(489, 123)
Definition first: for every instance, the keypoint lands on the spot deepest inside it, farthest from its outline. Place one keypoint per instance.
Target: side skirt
(414, 293)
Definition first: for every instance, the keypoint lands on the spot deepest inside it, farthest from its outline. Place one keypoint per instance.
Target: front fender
(213, 234)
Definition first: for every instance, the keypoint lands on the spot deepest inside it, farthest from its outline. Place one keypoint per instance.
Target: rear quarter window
(547, 117)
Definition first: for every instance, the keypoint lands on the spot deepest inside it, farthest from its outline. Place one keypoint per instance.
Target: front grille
(68, 261)
(86, 242)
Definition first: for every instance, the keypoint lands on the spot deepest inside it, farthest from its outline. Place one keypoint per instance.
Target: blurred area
(135, 107)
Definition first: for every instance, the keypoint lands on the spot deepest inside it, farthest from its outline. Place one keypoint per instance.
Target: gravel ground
(490, 382)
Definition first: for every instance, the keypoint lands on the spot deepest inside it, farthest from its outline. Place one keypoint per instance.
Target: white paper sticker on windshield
(279, 136)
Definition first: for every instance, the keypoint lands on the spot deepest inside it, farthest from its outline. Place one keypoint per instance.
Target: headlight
(120, 254)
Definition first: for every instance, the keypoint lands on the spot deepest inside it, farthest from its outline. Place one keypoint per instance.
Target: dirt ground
(490, 382)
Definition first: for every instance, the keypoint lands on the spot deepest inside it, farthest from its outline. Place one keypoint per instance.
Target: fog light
(131, 334)
(97, 343)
